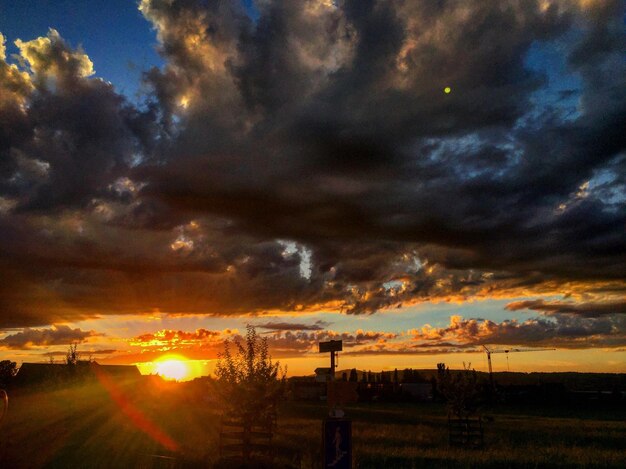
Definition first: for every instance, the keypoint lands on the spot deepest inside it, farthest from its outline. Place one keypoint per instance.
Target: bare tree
(72, 356)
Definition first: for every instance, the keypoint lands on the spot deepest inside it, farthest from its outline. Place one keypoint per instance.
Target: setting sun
(170, 367)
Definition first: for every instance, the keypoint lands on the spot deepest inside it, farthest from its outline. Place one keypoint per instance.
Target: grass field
(91, 426)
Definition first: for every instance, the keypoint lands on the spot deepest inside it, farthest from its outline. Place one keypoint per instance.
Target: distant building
(322, 375)
(33, 374)
(119, 372)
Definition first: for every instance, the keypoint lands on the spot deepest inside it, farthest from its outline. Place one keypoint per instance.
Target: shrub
(248, 381)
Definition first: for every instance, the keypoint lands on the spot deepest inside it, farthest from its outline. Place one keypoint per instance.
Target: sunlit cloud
(48, 56)
(563, 331)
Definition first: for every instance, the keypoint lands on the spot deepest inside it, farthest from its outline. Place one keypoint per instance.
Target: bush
(248, 382)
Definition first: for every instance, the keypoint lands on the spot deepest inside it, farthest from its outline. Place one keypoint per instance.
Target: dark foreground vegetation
(158, 424)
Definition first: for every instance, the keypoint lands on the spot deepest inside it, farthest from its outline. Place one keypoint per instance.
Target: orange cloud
(175, 338)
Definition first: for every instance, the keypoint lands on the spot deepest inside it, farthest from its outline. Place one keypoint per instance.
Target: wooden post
(5, 403)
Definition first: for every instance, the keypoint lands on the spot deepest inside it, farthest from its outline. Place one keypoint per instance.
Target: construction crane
(489, 352)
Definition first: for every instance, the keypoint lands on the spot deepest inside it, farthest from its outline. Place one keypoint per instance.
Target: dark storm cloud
(76, 134)
(309, 160)
(589, 310)
(366, 146)
(57, 335)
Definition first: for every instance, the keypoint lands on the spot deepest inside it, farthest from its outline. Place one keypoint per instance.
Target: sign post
(337, 438)
(336, 430)
(333, 347)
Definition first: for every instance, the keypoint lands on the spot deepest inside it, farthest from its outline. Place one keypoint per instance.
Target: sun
(172, 367)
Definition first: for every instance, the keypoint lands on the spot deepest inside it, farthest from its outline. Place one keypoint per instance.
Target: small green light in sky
(447, 90)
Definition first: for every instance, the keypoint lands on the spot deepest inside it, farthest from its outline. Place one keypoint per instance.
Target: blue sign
(337, 443)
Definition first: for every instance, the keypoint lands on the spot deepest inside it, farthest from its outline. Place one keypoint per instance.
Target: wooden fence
(243, 441)
(467, 432)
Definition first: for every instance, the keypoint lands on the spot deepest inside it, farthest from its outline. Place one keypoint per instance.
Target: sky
(418, 179)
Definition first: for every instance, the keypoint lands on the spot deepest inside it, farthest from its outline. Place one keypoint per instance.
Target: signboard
(337, 435)
(331, 346)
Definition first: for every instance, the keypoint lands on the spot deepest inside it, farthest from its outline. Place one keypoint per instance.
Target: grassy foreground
(95, 426)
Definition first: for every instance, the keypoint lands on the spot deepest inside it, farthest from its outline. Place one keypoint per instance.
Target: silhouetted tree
(353, 376)
(249, 382)
(8, 370)
(396, 379)
(460, 389)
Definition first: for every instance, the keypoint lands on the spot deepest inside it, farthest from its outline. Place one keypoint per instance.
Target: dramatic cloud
(282, 342)
(76, 135)
(343, 140)
(563, 331)
(309, 160)
(56, 335)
